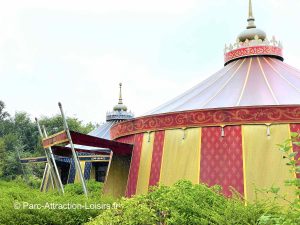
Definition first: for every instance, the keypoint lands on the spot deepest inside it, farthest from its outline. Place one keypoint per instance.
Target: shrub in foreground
(184, 203)
(58, 209)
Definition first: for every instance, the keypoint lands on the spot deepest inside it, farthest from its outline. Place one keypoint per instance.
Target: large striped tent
(224, 131)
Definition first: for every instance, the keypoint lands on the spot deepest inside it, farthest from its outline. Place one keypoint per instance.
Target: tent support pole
(54, 163)
(55, 177)
(75, 157)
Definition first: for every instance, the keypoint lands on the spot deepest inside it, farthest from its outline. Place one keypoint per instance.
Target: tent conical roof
(252, 81)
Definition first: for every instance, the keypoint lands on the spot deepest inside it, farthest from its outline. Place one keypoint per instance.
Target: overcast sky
(77, 52)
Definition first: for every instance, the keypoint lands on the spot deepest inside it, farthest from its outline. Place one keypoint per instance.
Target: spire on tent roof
(120, 110)
(250, 17)
(120, 106)
(120, 95)
(252, 42)
(251, 32)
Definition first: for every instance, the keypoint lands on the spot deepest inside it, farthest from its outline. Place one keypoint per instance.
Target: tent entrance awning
(59, 141)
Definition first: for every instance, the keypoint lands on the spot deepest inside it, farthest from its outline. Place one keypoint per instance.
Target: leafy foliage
(55, 124)
(3, 114)
(17, 194)
(292, 214)
(19, 137)
(184, 203)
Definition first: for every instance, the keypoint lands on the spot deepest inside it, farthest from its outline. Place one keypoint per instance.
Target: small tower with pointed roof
(252, 42)
(119, 112)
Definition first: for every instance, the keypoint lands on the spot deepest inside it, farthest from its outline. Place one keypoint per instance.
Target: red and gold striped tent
(224, 131)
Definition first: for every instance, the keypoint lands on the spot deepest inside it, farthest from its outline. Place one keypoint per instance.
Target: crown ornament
(252, 42)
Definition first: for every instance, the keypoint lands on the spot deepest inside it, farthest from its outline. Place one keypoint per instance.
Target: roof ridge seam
(235, 72)
(245, 83)
(266, 80)
(207, 86)
(279, 74)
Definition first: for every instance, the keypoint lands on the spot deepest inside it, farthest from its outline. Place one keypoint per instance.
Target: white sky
(77, 52)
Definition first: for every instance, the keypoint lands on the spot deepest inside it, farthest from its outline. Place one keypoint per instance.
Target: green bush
(18, 194)
(184, 203)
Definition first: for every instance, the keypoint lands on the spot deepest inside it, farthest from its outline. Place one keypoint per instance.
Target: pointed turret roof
(120, 110)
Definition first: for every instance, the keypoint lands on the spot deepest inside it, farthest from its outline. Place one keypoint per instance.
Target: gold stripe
(175, 167)
(200, 150)
(286, 66)
(265, 77)
(245, 83)
(145, 164)
(278, 73)
(162, 156)
(235, 72)
(264, 163)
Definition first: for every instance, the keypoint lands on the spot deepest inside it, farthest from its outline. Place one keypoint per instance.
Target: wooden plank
(55, 139)
(34, 160)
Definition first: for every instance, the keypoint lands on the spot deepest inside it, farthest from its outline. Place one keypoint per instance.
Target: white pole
(55, 177)
(75, 157)
(54, 162)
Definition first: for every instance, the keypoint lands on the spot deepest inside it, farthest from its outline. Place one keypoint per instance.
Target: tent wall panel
(156, 157)
(115, 184)
(72, 172)
(264, 165)
(145, 164)
(87, 170)
(181, 156)
(77, 177)
(222, 159)
(134, 165)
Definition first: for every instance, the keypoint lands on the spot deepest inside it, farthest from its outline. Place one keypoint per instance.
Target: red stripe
(134, 165)
(296, 128)
(222, 158)
(158, 146)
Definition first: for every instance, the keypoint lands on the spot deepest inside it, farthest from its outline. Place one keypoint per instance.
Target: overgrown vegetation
(292, 214)
(21, 204)
(19, 137)
(185, 203)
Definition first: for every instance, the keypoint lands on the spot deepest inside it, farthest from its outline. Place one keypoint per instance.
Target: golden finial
(120, 95)
(250, 17)
(120, 106)
(250, 10)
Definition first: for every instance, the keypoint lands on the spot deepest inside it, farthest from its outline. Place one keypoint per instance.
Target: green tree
(26, 131)
(54, 124)
(3, 114)
(19, 135)
(2, 156)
